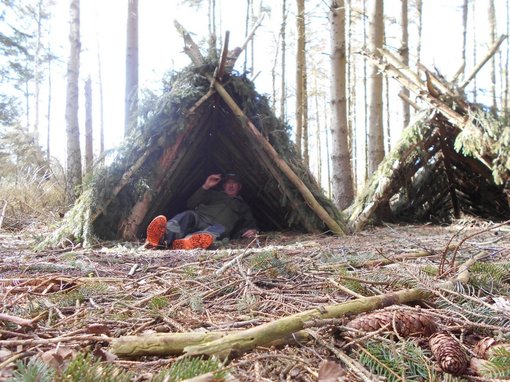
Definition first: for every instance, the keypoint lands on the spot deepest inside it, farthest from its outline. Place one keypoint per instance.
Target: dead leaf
(330, 371)
(4, 354)
(58, 358)
(98, 329)
(104, 355)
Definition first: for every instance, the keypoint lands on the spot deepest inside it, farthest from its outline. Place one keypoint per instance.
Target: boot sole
(196, 240)
(156, 231)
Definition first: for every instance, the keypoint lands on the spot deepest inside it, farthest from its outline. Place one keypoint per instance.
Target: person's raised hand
(211, 181)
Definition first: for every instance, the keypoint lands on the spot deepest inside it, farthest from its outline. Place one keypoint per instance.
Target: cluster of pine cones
(446, 349)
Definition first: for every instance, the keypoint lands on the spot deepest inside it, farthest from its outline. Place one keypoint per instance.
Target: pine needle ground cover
(72, 314)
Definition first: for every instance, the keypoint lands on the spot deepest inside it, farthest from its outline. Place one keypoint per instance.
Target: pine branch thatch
(186, 134)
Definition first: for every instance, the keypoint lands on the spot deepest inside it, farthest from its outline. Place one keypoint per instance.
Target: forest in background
(36, 55)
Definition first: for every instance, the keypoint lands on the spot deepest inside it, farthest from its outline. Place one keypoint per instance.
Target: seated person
(212, 215)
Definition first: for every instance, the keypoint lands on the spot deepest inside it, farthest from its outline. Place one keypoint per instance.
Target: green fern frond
(398, 362)
(186, 368)
(33, 371)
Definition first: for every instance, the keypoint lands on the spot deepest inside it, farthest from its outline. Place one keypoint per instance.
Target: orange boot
(197, 240)
(155, 232)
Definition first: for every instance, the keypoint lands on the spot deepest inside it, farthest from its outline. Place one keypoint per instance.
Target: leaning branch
(332, 224)
(477, 68)
(190, 47)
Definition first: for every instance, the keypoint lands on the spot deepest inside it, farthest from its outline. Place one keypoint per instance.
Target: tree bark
(38, 71)
(404, 54)
(283, 95)
(74, 170)
(101, 100)
(300, 70)
(464, 33)
(89, 151)
(343, 192)
(375, 123)
(131, 94)
(492, 40)
(419, 10)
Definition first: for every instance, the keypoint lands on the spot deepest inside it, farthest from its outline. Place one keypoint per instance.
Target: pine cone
(448, 353)
(406, 323)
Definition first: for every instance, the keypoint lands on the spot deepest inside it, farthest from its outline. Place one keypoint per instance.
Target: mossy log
(163, 344)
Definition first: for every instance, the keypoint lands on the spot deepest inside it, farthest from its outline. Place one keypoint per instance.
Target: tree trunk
(328, 151)
(89, 154)
(48, 117)
(74, 170)
(318, 140)
(131, 95)
(300, 70)
(375, 124)
(340, 157)
(475, 42)
(351, 85)
(365, 88)
(464, 33)
(492, 40)
(506, 82)
(306, 156)
(404, 54)
(419, 10)
(101, 100)
(284, 69)
(37, 72)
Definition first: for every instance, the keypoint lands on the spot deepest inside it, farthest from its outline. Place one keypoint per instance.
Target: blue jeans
(190, 222)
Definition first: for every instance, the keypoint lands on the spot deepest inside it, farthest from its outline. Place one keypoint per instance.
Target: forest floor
(56, 303)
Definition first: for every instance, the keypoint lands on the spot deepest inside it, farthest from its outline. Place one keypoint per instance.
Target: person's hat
(231, 176)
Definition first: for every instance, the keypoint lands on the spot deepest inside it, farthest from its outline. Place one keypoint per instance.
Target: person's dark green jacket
(231, 212)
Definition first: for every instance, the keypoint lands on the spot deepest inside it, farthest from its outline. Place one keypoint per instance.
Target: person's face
(231, 187)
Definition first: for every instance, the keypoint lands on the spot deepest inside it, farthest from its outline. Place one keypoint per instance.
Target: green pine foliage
(32, 371)
(272, 263)
(491, 277)
(86, 368)
(498, 365)
(466, 303)
(185, 368)
(396, 362)
(487, 137)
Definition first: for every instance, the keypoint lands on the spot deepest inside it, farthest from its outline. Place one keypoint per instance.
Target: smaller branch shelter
(453, 159)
